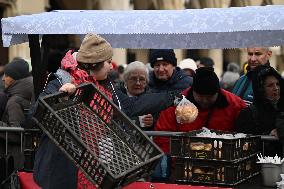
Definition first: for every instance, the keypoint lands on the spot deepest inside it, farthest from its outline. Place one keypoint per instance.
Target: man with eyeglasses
(255, 56)
(166, 76)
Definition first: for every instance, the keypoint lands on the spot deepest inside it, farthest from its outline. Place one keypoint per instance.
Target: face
(272, 88)
(205, 101)
(136, 82)
(8, 81)
(163, 70)
(257, 56)
(103, 72)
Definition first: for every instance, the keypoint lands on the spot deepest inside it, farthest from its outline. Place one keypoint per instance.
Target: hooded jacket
(261, 117)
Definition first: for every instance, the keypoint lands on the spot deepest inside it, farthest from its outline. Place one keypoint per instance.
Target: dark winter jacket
(20, 95)
(2, 87)
(50, 161)
(222, 116)
(178, 82)
(164, 99)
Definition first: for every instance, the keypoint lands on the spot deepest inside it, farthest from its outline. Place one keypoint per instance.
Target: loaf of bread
(186, 113)
(200, 146)
(197, 146)
(198, 171)
(207, 147)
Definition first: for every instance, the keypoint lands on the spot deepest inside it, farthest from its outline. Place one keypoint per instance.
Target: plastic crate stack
(214, 161)
(100, 139)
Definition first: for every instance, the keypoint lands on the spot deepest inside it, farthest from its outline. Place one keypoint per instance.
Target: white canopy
(234, 27)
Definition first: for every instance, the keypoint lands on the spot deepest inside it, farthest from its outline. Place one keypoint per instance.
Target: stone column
(217, 56)
(171, 5)
(168, 4)
(243, 57)
(114, 5)
(273, 60)
(22, 7)
(119, 55)
(142, 5)
(142, 55)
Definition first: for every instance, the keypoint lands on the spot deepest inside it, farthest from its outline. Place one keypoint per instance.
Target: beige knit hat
(94, 49)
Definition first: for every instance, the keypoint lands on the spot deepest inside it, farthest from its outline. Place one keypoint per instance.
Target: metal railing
(8, 130)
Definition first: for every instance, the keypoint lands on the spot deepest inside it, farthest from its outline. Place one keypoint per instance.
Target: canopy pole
(39, 61)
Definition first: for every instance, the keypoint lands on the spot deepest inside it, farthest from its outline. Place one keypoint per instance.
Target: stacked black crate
(214, 161)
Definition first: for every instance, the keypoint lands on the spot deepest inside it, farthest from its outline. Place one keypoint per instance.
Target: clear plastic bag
(186, 111)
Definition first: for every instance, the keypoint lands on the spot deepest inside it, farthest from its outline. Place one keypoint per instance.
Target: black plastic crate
(214, 172)
(192, 146)
(100, 139)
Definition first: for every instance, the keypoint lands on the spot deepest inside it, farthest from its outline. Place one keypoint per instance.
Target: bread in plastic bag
(186, 111)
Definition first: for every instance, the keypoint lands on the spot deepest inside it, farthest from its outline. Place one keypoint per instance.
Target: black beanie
(205, 81)
(163, 54)
(17, 69)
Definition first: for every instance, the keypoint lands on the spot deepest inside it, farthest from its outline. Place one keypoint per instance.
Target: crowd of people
(251, 103)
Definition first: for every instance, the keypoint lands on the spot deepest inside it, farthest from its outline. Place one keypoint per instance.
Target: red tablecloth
(27, 182)
(149, 185)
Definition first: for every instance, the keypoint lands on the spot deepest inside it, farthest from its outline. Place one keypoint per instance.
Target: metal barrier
(8, 130)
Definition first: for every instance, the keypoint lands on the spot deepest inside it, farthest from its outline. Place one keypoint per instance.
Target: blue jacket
(243, 88)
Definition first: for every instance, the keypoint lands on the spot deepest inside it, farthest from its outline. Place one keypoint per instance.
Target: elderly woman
(264, 114)
(135, 83)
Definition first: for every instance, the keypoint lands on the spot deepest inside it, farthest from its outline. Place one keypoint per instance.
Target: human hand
(274, 133)
(148, 120)
(69, 88)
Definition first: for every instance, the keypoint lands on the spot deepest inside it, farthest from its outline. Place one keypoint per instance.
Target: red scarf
(80, 76)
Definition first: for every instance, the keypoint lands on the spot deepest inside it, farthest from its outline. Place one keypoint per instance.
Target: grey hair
(133, 66)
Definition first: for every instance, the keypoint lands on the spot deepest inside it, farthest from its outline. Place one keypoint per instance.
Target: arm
(52, 86)
(15, 112)
(148, 103)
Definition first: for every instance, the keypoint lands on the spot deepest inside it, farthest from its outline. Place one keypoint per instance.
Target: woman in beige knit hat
(91, 64)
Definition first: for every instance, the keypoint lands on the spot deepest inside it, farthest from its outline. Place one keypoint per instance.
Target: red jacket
(225, 112)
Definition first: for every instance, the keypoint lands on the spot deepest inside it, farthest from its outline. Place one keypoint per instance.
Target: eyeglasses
(136, 80)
